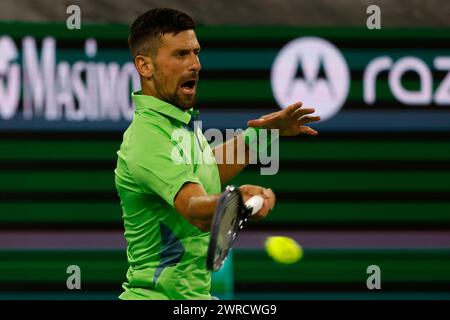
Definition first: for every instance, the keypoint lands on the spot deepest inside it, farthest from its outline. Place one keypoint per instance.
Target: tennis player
(167, 206)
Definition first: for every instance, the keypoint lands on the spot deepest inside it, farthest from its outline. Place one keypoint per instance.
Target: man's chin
(185, 104)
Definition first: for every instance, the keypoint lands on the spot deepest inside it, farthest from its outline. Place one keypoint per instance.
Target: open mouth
(188, 87)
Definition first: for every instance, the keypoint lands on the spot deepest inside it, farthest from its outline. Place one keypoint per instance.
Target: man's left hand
(290, 121)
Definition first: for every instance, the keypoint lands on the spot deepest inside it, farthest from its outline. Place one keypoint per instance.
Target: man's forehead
(182, 40)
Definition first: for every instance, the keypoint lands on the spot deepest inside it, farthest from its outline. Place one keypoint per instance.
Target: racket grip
(255, 204)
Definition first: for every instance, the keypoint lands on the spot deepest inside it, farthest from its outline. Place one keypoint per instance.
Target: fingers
(263, 119)
(255, 122)
(271, 115)
(293, 108)
(249, 191)
(303, 118)
(270, 196)
(301, 112)
(307, 130)
(308, 119)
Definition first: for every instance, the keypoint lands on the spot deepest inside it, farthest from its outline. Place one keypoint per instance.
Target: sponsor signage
(52, 78)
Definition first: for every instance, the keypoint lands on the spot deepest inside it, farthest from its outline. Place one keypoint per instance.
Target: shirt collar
(143, 102)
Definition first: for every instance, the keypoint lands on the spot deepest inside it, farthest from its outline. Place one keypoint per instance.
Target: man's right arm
(197, 207)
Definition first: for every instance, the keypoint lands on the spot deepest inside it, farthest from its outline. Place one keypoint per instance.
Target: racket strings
(228, 227)
(228, 219)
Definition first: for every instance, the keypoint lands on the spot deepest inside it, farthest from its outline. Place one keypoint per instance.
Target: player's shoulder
(149, 116)
(153, 120)
(151, 124)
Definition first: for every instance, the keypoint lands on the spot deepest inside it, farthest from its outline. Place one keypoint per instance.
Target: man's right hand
(249, 191)
(197, 207)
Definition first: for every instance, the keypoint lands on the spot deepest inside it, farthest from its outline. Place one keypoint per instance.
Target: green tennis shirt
(158, 155)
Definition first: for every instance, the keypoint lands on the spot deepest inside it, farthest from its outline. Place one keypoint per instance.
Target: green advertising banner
(357, 79)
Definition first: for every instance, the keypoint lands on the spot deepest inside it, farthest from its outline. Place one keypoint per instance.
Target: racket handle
(255, 204)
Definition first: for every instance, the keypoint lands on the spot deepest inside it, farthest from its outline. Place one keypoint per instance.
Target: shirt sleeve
(151, 163)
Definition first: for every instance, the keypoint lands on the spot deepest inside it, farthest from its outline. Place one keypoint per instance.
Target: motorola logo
(311, 70)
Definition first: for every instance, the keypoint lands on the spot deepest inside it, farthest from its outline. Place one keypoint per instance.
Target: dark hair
(155, 23)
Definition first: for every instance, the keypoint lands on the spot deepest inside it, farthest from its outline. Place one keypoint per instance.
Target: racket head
(228, 217)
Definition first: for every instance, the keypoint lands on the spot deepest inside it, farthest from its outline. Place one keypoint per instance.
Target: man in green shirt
(168, 204)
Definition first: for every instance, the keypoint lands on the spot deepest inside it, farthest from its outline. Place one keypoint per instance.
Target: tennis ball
(283, 249)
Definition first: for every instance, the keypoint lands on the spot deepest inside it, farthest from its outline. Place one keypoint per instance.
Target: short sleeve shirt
(159, 154)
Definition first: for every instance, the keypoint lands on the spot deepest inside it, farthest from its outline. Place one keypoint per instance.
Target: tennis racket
(230, 216)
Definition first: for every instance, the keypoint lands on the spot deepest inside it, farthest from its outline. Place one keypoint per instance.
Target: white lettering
(442, 95)
(370, 77)
(9, 78)
(424, 94)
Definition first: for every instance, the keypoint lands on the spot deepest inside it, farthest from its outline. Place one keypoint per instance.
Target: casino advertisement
(82, 80)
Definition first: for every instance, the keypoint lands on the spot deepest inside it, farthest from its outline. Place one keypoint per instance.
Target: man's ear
(144, 65)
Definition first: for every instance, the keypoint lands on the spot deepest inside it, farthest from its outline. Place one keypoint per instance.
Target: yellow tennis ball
(283, 249)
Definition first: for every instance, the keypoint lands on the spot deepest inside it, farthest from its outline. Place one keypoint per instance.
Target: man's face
(176, 68)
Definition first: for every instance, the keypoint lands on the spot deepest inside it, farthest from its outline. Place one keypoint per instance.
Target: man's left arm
(290, 122)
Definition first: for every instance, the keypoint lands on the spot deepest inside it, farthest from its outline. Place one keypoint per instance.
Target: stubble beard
(183, 104)
(176, 99)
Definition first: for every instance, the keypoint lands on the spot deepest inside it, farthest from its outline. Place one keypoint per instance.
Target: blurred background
(373, 188)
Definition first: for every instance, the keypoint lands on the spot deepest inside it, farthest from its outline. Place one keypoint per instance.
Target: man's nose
(195, 63)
